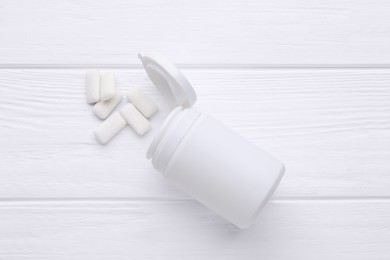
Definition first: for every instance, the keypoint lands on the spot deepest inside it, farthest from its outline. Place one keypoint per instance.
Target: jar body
(221, 169)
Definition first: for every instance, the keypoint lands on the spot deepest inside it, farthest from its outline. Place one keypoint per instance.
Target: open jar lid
(169, 79)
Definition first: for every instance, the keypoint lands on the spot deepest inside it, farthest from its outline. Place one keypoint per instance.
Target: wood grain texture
(186, 230)
(64, 196)
(321, 32)
(330, 127)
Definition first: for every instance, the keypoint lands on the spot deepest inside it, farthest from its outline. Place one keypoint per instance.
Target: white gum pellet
(107, 85)
(110, 127)
(135, 119)
(142, 102)
(92, 86)
(103, 108)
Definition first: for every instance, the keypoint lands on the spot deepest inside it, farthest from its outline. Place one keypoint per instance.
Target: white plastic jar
(206, 159)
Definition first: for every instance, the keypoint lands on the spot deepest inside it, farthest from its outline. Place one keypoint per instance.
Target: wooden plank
(186, 230)
(330, 127)
(327, 32)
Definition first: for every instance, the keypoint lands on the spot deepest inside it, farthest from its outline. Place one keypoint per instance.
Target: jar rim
(157, 139)
(174, 129)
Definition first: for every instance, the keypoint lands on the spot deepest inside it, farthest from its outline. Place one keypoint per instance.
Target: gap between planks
(199, 66)
(119, 200)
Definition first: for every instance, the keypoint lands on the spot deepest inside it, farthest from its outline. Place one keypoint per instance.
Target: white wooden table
(308, 81)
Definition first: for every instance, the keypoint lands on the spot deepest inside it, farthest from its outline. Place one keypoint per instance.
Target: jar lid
(169, 79)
